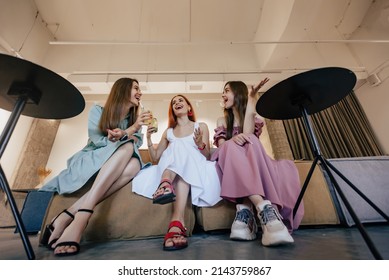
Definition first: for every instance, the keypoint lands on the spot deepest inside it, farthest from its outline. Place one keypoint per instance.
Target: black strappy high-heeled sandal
(72, 243)
(49, 230)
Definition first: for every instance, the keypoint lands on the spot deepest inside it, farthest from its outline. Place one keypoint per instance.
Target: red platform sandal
(166, 193)
(172, 234)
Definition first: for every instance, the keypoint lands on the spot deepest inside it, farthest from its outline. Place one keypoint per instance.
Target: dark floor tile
(324, 243)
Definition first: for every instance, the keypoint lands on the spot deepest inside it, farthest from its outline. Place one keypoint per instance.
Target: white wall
(15, 144)
(375, 102)
(375, 57)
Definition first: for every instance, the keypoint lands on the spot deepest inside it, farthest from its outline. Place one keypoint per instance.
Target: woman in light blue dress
(111, 155)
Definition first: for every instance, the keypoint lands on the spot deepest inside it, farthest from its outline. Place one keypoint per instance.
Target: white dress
(184, 158)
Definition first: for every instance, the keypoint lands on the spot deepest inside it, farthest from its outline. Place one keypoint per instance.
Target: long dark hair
(240, 92)
(119, 95)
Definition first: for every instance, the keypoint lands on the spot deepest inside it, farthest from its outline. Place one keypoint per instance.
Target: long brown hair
(172, 118)
(240, 92)
(120, 94)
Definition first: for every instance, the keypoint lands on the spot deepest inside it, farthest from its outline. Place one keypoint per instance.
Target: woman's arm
(249, 118)
(155, 153)
(133, 132)
(95, 135)
(201, 138)
(218, 140)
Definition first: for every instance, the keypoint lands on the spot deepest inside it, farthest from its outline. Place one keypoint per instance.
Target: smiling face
(180, 106)
(228, 97)
(135, 94)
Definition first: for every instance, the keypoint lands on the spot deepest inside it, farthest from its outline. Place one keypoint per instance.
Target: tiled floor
(323, 243)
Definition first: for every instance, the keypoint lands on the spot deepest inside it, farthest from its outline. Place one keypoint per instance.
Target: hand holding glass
(154, 124)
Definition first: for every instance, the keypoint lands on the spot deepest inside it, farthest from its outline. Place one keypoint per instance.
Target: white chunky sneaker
(274, 232)
(244, 226)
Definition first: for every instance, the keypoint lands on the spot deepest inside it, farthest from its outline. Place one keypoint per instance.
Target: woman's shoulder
(203, 125)
(221, 121)
(167, 131)
(95, 111)
(258, 119)
(220, 126)
(96, 108)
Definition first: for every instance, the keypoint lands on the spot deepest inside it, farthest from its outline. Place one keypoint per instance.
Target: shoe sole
(237, 235)
(174, 248)
(165, 199)
(280, 238)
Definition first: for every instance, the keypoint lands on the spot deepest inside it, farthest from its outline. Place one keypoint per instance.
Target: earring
(190, 113)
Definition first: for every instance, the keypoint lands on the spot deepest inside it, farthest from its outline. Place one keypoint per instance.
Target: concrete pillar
(278, 139)
(35, 153)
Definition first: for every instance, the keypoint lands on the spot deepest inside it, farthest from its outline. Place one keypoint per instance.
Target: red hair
(172, 118)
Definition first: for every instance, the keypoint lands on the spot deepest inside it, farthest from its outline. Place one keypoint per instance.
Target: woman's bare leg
(182, 192)
(113, 175)
(254, 199)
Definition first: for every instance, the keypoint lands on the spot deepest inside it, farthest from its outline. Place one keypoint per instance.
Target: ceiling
(194, 46)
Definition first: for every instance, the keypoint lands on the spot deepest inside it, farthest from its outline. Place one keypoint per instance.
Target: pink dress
(247, 170)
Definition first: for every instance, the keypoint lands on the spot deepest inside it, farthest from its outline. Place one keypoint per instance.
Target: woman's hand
(142, 118)
(150, 130)
(198, 137)
(241, 139)
(115, 134)
(252, 101)
(254, 90)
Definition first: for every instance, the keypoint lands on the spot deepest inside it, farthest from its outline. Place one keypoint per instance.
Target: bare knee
(129, 146)
(132, 168)
(126, 149)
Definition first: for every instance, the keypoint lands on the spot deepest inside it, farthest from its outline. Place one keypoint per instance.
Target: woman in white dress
(183, 168)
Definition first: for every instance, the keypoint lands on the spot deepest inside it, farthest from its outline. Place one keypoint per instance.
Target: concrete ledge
(124, 215)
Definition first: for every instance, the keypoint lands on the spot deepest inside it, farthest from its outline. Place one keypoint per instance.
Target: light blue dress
(87, 162)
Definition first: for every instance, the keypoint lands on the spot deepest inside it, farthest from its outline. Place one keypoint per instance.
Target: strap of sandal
(68, 213)
(169, 186)
(179, 225)
(85, 210)
(172, 234)
(165, 181)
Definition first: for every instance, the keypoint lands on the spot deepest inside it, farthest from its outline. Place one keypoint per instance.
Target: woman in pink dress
(248, 176)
